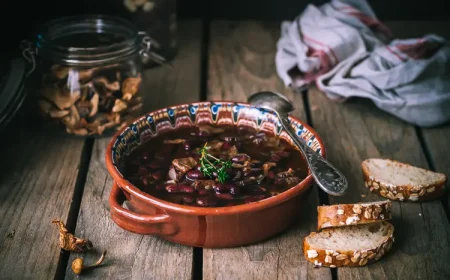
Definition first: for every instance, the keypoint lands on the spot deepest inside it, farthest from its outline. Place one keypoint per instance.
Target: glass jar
(159, 19)
(89, 73)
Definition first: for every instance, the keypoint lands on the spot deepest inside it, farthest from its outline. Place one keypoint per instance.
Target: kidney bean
(206, 201)
(195, 156)
(256, 163)
(145, 181)
(224, 196)
(159, 187)
(223, 157)
(275, 158)
(226, 145)
(158, 175)
(255, 190)
(142, 171)
(180, 189)
(252, 172)
(222, 188)
(283, 153)
(202, 191)
(135, 162)
(254, 198)
(168, 148)
(235, 190)
(271, 175)
(194, 175)
(240, 158)
(160, 155)
(246, 181)
(156, 164)
(188, 199)
(145, 156)
(187, 145)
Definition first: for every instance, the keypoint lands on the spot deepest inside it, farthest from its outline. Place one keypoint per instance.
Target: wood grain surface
(241, 61)
(435, 138)
(357, 130)
(37, 181)
(133, 256)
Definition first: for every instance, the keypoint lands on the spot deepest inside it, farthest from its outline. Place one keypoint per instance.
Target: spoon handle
(328, 177)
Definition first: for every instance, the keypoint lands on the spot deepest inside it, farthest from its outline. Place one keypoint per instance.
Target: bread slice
(355, 245)
(400, 181)
(352, 214)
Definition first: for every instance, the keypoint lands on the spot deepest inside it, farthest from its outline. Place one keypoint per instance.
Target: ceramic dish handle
(134, 222)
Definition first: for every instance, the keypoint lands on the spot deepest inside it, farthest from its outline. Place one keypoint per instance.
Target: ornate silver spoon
(328, 177)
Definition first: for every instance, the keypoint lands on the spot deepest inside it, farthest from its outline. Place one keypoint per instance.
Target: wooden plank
(435, 138)
(436, 142)
(241, 61)
(37, 180)
(357, 130)
(133, 256)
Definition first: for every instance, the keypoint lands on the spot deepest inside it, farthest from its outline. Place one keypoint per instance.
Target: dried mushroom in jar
(91, 101)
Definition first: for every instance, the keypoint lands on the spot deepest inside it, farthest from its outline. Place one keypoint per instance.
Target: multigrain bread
(339, 215)
(355, 245)
(400, 181)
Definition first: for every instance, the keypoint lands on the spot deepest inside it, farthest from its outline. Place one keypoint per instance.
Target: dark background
(19, 17)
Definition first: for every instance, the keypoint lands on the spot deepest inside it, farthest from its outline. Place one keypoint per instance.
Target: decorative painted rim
(219, 113)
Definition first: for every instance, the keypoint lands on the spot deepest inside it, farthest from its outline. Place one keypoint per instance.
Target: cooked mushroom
(84, 107)
(92, 127)
(94, 103)
(119, 105)
(106, 84)
(109, 124)
(77, 131)
(60, 98)
(48, 109)
(131, 86)
(71, 120)
(57, 114)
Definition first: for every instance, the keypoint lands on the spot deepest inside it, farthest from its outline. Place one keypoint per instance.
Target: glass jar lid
(88, 40)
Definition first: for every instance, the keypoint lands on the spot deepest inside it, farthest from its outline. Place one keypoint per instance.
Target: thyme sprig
(210, 164)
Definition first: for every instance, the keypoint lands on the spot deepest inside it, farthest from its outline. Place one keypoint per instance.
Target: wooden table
(44, 177)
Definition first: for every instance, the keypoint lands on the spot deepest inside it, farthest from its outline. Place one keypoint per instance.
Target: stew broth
(215, 166)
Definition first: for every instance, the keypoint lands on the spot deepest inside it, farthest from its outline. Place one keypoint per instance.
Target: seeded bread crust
(406, 192)
(323, 257)
(352, 214)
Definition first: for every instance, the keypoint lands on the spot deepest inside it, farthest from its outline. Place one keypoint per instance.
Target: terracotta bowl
(207, 227)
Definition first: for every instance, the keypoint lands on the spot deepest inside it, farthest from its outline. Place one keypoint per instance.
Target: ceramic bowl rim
(127, 186)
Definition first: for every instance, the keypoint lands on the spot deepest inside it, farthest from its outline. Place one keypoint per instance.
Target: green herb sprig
(210, 164)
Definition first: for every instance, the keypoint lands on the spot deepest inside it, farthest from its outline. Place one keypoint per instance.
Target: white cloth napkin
(347, 52)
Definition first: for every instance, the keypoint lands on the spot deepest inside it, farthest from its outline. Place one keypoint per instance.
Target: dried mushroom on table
(90, 101)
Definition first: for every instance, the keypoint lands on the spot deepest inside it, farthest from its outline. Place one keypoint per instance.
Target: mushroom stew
(215, 166)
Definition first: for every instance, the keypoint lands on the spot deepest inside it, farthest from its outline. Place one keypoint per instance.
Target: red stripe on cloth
(371, 22)
(307, 38)
(420, 49)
